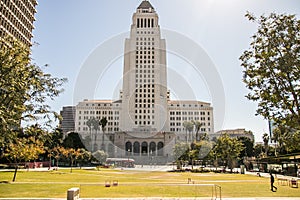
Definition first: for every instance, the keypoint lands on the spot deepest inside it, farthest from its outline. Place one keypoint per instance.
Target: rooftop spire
(145, 5)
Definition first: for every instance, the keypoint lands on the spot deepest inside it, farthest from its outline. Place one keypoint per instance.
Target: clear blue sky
(68, 31)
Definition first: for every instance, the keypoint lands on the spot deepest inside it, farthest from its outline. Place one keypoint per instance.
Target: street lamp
(128, 153)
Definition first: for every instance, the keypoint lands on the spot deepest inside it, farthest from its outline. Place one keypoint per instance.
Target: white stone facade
(97, 109)
(190, 111)
(144, 99)
(144, 121)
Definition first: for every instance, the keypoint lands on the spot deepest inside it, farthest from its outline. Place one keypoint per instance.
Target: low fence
(114, 189)
(30, 165)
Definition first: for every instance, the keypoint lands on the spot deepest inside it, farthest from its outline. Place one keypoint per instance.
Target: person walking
(272, 183)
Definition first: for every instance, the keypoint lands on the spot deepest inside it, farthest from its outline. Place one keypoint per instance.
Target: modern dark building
(67, 124)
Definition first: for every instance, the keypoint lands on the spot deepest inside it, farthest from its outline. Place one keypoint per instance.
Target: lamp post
(151, 158)
(128, 154)
(50, 161)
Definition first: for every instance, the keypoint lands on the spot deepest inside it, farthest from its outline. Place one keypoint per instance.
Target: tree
(258, 150)
(27, 145)
(100, 156)
(292, 142)
(180, 152)
(55, 139)
(57, 153)
(286, 139)
(279, 136)
(95, 123)
(228, 150)
(72, 155)
(24, 90)
(89, 123)
(249, 145)
(272, 68)
(23, 149)
(84, 156)
(188, 129)
(200, 150)
(103, 123)
(197, 128)
(73, 140)
(266, 139)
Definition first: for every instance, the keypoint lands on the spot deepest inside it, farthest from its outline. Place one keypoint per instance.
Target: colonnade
(145, 23)
(144, 149)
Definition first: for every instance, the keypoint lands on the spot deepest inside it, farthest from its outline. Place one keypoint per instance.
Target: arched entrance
(144, 149)
(136, 148)
(152, 149)
(128, 148)
(160, 149)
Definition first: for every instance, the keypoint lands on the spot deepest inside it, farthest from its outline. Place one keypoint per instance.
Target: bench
(73, 194)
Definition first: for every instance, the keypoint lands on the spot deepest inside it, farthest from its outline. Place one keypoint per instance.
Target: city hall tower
(144, 94)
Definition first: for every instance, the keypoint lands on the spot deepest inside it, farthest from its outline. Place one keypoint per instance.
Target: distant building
(16, 19)
(67, 124)
(97, 109)
(235, 133)
(190, 111)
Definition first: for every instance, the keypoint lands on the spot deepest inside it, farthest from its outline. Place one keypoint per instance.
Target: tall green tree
(258, 150)
(73, 140)
(197, 125)
(24, 90)
(55, 139)
(57, 153)
(188, 125)
(24, 148)
(89, 124)
(200, 150)
(96, 126)
(266, 139)
(181, 153)
(286, 140)
(103, 123)
(228, 150)
(272, 68)
(84, 156)
(249, 147)
(71, 155)
(100, 156)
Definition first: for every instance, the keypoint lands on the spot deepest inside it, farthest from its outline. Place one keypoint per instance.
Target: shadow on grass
(4, 182)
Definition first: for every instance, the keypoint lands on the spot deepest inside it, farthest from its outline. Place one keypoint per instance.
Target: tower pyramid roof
(145, 5)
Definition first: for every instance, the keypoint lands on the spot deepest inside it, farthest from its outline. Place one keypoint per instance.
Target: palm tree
(197, 128)
(188, 128)
(266, 141)
(103, 123)
(95, 123)
(185, 124)
(89, 123)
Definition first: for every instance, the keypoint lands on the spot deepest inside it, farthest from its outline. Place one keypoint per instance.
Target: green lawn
(54, 184)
